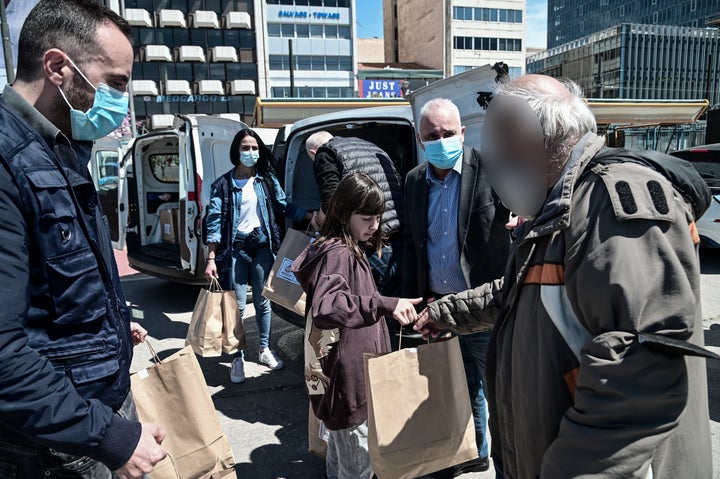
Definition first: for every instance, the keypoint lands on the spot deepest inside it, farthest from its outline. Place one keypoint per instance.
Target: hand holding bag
(216, 325)
(419, 415)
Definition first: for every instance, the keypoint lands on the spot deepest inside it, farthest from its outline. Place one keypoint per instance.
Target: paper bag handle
(400, 338)
(214, 285)
(153, 352)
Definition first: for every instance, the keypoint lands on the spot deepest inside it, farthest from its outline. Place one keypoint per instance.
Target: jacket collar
(555, 214)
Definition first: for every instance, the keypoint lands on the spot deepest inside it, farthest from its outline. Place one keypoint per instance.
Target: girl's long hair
(266, 163)
(356, 193)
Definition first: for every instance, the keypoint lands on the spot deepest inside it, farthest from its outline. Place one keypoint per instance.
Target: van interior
(153, 192)
(395, 137)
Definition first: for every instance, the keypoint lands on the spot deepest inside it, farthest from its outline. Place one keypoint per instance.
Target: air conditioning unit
(237, 20)
(190, 53)
(157, 53)
(138, 17)
(241, 87)
(172, 18)
(144, 87)
(158, 122)
(177, 87)
(204, 19)
(210, 87)
(224, 54)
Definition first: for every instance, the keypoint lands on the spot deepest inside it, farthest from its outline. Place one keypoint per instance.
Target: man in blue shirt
(455, 238)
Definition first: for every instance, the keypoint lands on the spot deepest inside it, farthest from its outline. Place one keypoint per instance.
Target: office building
(324, 47)
(635, 61)
(455, 35)
(569, 20)
(194, 56)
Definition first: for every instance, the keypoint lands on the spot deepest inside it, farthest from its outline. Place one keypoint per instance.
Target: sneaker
(269, 359)
(237, 371)
(476, 465)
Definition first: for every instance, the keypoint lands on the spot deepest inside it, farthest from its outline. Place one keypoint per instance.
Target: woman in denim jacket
(243, 236)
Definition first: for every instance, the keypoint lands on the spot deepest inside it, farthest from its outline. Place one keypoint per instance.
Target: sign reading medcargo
(380, 89)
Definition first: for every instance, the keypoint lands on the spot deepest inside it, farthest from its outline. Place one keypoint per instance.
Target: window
(273, 29)
(493, 44)
(580, 11)
(518, 16)
(276, 62)
(502, 44)
(302, 31)
(331, 31)
(344, 32)
(316, 31)
(108, 168)
(332, 63)
(304, 62)
(165, 167)
(318, 63)
(346, 64)
(288, 30)
(503, 15)
(493, 15)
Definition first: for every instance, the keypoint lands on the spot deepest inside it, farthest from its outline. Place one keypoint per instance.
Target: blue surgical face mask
(249, 158)
(443, 153)
(106, 114)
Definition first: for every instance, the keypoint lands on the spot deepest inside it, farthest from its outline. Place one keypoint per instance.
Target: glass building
(194, 56)
(635, 61)
(322, 34)
(572, 19)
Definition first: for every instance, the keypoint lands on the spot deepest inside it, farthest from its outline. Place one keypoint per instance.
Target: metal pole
(7, 47)
(292, 68)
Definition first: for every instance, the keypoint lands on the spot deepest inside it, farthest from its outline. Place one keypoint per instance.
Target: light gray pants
(347, 454)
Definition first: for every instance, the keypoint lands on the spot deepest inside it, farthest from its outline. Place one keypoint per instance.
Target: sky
(370, 21)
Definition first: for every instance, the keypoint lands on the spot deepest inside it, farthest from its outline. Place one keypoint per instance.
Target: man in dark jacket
(65, 333)
(336, 157)
(455, 237)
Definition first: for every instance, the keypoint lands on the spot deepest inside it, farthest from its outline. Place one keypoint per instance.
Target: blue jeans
(474, 349)
(256, 273)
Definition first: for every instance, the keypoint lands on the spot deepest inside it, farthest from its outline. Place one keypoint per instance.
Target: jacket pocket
(76, 287)
(84, 363)
(52, 193)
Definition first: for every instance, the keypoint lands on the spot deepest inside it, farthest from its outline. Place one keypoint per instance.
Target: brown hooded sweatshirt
(342, 296)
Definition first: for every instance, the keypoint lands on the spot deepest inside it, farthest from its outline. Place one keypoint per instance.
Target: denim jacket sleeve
(281, 205)
(214, 217)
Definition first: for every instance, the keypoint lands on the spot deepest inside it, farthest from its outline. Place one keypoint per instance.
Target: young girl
(347, 319)
(243, 235)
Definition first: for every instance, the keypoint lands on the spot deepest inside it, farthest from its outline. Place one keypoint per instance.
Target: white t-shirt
(249, 211)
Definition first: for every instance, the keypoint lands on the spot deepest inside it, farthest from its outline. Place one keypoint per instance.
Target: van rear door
(204, 147)
(108, 177)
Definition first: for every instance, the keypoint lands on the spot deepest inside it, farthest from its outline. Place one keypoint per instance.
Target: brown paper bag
(173, 394)
(216, 325)
(282, 287)
(419, 416)
(316, 444)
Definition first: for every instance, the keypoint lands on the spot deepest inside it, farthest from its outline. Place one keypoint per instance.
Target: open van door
(109, 179)
(204, 146)
(464, 90)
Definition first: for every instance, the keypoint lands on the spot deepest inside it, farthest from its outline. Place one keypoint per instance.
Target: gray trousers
(21, 460)
(347, 454)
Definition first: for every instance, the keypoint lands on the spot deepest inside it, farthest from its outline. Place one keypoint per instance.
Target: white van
(160, 193)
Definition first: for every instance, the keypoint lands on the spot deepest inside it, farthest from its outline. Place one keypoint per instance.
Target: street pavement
(265, 418)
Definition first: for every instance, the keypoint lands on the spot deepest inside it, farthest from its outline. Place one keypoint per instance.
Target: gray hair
(564, 118)
(317, 139)
(438, 104)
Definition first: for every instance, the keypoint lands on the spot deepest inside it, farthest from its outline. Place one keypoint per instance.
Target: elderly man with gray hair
(590, 369)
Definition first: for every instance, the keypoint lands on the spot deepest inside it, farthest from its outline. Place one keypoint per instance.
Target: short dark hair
(266, 163)
(70, 25)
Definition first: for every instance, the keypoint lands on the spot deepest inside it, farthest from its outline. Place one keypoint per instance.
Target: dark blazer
(483, 238)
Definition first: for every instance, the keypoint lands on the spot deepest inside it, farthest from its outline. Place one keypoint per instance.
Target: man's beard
(77, 96)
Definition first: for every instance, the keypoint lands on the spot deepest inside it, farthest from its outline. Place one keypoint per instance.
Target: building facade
(193, 56)
(635, 61)
(572, 19)
(455, 35)
(323, 37)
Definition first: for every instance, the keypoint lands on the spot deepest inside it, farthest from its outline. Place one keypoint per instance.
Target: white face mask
(516, 171)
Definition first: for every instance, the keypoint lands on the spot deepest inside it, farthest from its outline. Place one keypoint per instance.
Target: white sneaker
(269, 359)
(237, 371)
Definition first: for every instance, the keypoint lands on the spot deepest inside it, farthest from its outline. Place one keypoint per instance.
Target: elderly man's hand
(425, 325)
